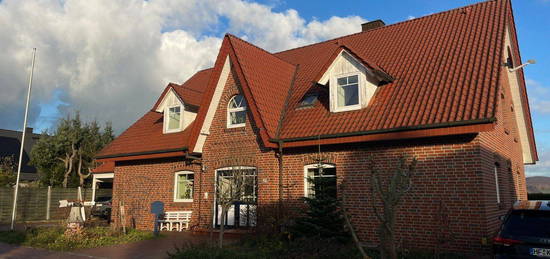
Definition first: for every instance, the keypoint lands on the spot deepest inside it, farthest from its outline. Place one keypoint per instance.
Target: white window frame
(167, 118)
(497, 186)
(176, 176)
(334, 92)
(239, 109)
(313, 166)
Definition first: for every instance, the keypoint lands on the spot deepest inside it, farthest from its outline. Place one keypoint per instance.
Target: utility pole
(14, 208)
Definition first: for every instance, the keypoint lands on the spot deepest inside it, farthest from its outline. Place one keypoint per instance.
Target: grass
(53, 238)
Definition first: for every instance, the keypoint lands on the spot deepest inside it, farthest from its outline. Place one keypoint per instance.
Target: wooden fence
(33, 203)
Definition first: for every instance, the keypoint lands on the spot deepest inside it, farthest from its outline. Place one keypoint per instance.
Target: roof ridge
(191, 89)
(259, 48)
(387, 26)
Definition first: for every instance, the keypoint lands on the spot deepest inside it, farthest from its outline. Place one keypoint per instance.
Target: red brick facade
(455, 177)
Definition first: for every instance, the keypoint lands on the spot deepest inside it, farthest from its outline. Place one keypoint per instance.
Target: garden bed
(275, 247)
(54, 238)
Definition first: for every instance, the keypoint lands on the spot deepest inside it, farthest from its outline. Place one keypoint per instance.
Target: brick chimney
(372, 25)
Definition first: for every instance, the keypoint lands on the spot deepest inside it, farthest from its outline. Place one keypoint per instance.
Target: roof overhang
(176, 152)
(423, 131)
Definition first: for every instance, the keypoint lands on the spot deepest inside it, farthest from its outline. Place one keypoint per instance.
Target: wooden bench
(175, 220)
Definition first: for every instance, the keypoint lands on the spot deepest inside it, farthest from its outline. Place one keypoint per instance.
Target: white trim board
(519, 112)
(212, 107)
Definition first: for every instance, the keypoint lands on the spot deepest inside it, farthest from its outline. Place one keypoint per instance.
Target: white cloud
(410, 17)
(111, 59)
(539, 96)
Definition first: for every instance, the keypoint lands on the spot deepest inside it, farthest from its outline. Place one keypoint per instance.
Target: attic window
(346, 92)
(236, 112)
(172, 119)
(308, 100)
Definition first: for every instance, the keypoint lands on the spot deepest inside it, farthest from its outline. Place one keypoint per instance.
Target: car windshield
(102, 199)
(533, 223)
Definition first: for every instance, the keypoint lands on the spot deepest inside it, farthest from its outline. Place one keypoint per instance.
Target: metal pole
(14, 208)
(48, 204)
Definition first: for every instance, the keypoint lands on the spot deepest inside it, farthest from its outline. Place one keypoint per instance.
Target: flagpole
(14, 208)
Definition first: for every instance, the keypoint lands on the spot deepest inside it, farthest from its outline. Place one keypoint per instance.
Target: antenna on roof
(530, 61)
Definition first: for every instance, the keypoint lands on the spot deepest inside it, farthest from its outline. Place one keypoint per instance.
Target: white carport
(98, 179)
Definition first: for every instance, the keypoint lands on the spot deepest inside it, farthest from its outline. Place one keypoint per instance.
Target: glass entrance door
(242, 213)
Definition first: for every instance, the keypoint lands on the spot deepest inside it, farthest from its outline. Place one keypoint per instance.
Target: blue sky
(110, 59)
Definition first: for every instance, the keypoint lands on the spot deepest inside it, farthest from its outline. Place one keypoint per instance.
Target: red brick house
(440, 88)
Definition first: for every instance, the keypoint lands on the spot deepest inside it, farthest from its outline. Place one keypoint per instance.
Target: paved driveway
(156, 248)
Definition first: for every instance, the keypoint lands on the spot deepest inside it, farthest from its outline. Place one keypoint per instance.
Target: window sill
(233, 126)
(347, 108)
(172, 131)
(183, 200)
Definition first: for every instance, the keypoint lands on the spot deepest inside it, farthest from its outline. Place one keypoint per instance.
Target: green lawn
(53, 238)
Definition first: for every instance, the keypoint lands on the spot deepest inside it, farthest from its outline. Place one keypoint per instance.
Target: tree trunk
(69, 166)
(81, 176)
(222, 227)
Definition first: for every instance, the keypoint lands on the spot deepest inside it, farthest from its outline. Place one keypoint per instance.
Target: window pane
(237, 102)
(238, 117)
(348, 95)
(342, 81)
(353, 79)
(184, 186)
(174, 116)
(321, 183)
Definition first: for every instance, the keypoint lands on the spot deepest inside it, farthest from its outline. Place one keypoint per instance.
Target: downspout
(280, 207)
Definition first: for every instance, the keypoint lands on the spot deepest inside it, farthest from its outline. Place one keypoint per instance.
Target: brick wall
(137, 184)
(502, 147)
(454, 177)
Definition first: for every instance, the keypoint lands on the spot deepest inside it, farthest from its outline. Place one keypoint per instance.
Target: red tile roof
(191, 91)
(105, 167)
(267, 77)
(445, 67)
(146, 135)
(443, 70)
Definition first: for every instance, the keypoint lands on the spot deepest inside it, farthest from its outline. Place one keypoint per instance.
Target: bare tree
(444, 235)
(231, 187)
(390, 191)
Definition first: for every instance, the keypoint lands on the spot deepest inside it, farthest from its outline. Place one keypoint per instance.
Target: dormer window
(172, 119)
(308, 101)
(236, 112)
(346, 92)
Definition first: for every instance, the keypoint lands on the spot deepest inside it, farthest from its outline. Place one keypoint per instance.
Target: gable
(346, 64)
(170, 99)
(518, 103)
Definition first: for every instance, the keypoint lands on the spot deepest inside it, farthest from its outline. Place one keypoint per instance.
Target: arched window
(324, 174)
(236, 112)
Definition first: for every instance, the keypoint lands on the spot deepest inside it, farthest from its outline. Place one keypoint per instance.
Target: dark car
(102, 207)
(525, 231)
